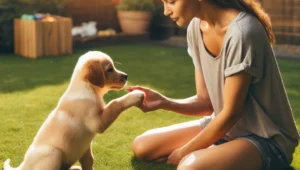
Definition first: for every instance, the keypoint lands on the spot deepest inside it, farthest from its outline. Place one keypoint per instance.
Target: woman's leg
(158, 144)
(234, 155)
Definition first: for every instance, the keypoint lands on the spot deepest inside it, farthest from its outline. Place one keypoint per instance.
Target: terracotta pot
(134, 22)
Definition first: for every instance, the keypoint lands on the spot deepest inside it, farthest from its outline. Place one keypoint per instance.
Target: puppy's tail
(7, 166)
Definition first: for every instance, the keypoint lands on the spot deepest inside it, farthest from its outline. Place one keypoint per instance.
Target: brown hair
(252, 7)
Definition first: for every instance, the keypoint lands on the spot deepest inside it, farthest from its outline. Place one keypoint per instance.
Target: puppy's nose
(124, 77)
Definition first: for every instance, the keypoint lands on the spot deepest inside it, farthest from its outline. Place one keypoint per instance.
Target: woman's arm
(198, 105)
(235, 92)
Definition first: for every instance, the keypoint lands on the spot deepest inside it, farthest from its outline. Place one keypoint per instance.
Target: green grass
(30, 89)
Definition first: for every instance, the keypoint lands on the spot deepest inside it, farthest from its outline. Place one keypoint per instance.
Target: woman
(248, 123)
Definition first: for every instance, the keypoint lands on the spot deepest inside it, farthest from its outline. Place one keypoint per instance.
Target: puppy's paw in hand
(75, 168)
(135, 97)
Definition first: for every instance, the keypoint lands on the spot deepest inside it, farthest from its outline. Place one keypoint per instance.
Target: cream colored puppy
(81, 113)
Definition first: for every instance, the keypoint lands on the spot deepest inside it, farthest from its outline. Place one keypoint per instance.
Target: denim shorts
(271, 153)
(272, 156)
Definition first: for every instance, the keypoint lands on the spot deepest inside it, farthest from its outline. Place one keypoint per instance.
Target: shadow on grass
(289, 168)
(18, 73)
(144, 165)
(138, 165)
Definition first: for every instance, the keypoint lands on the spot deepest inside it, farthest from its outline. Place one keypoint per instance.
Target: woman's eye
(110, 70)
(171, 2)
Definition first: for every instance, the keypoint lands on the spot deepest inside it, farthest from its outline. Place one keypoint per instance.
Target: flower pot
(134, 22)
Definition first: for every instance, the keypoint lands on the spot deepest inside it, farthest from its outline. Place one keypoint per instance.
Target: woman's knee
(140, 148)
(191, 162)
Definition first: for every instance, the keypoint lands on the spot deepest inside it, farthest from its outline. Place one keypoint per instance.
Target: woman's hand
(175, 157)
(152, 99)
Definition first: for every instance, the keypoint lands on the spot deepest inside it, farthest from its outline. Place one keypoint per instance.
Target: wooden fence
(101, 11)
(285, 16)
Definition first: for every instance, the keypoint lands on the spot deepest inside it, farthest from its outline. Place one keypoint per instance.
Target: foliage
(10, 9)
(138, 5)
(162, 26)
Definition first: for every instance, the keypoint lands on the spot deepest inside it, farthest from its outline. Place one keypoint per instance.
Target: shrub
(10, 9)
(136, 5)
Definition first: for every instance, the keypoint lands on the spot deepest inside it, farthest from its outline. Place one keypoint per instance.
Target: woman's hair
(253, 7)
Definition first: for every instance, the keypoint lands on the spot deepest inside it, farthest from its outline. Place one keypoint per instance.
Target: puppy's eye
(110, 69)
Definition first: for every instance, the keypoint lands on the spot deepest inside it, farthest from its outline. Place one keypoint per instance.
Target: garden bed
(112, 39)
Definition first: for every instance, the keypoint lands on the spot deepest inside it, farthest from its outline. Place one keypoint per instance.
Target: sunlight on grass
(30, 89)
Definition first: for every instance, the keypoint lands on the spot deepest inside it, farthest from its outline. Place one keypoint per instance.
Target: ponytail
(252, 7)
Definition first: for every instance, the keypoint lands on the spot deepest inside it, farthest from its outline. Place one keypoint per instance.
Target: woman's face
(181, 11)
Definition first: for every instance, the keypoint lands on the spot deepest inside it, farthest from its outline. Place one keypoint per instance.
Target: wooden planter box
(34, 39)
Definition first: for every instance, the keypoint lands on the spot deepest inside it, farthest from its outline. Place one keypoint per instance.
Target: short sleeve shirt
(266, 112)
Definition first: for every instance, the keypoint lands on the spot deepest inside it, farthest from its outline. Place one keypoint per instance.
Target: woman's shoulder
(193, 30)
(249, 26)
(194, 23)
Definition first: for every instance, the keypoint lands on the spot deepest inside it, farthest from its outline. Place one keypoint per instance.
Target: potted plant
(135, 15)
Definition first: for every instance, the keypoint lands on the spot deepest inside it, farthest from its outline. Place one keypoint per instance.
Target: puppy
(81, 113)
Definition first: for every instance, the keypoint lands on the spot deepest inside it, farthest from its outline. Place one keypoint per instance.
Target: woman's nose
(167, 11)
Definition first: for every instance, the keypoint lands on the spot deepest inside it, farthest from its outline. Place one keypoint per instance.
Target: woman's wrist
(184, 150)
(164, 103)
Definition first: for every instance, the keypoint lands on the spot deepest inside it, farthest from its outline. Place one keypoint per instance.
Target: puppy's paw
(75, 168)
(135, 98)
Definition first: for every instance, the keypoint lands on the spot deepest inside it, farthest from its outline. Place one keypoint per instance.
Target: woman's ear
(93, 73)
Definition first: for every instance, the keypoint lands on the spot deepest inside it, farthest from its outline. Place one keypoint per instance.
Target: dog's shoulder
(80, 107)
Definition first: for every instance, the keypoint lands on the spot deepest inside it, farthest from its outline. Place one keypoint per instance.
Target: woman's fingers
(130, 89)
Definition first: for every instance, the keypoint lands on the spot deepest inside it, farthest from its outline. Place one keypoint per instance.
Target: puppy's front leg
(117, 106)
(87, 160)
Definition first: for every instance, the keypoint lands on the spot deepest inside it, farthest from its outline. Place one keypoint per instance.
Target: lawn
(30, 89)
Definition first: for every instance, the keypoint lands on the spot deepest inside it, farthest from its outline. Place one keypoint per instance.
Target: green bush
(10, 9)
(136, 5)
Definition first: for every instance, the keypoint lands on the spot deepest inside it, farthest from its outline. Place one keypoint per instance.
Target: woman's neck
(215, 16)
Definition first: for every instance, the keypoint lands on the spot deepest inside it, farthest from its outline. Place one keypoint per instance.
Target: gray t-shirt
(266, 112)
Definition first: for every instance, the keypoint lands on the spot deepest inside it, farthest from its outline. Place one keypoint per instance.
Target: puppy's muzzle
(124, 77)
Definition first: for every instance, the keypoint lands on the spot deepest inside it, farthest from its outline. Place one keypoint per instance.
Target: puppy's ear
(93, 72)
